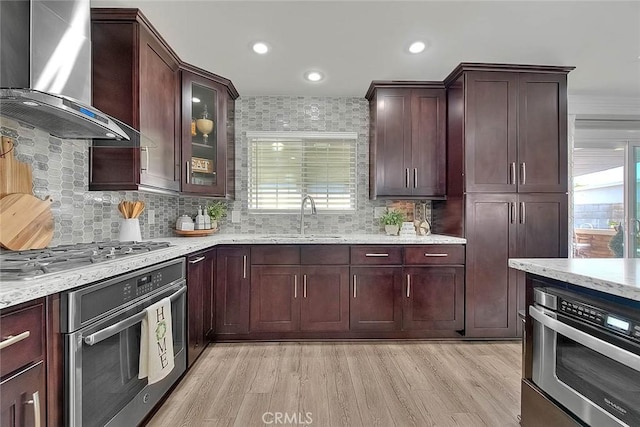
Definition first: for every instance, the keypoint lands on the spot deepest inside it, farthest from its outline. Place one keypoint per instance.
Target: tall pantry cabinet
(506, 182)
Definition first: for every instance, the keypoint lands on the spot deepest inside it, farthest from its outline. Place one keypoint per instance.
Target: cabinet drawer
(324, 254)
(434, 254)
(376, 255)
(22, 333)
(275, 254)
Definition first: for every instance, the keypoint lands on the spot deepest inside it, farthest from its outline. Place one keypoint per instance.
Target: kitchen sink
(299, 236)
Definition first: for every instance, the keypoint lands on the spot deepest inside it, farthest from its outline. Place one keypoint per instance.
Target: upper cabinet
(207, 133)
(507, 128)
(138, 79)
(135, 78)
(407, 139)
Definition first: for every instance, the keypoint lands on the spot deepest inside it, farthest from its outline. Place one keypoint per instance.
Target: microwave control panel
(604, 318)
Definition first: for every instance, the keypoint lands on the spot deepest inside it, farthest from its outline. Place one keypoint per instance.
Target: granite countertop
(15, 292)
(615, 276)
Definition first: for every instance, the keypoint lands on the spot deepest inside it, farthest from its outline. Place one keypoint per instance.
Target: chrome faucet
(313, 211)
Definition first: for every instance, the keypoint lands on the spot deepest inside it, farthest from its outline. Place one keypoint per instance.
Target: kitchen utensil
(131, 209)
(15, 176)
(27, 222)
(424, 228)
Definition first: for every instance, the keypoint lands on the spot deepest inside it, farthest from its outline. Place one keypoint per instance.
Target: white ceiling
(355, 42)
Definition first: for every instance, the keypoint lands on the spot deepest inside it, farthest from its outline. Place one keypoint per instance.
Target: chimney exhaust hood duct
(45, 69)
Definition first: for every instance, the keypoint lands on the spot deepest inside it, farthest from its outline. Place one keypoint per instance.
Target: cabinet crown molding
(515, 68)
(401, 84)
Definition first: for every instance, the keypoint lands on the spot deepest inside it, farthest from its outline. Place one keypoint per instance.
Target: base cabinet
(232, 279)
(271, 292)
(375, 298)
(200, 284)
(325, 298)
(433, 298)
(23, 388)
(23, 398)
(275, 306)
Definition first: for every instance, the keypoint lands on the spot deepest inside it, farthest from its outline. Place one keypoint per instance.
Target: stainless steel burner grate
(19, 265)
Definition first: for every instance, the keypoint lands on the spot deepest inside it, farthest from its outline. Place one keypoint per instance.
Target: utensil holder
(129, 230)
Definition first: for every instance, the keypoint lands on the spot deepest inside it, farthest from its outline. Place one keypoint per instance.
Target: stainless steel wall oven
(101, 326)
(586, 356)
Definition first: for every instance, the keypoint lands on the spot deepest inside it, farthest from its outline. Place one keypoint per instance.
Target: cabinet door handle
(523, 173)
(187, 175)
(146, 165)
(295, 286)
(523, 213)
(197, 260)
(512, 211)
(512, 175)
(376, 255)
(35, 401)
(304, 285)
(436, 255)
(355, 286)
(244, 266)
(408, 285)
(406, 177)
(11, 340)
(415, 177)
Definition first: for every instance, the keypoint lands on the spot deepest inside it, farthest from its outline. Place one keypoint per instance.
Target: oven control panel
(607, 319)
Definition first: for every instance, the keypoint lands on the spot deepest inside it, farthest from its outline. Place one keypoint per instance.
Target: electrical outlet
(151, 217)
(235, 217)
(378, 212)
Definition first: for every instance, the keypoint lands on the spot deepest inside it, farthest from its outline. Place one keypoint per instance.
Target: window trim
(301, 135)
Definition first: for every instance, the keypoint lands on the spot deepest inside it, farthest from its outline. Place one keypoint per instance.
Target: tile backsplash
(60, 170)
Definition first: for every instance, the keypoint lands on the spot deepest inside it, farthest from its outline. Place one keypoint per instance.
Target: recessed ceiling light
(195, 100)
(30, 103)
(417, 47)
(110, 135)
(313, 76)
(260, 48)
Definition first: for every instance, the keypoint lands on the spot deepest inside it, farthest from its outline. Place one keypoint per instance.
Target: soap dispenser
(200, 219)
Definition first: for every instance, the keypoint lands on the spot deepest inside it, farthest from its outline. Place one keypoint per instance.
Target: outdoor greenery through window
(286, 166)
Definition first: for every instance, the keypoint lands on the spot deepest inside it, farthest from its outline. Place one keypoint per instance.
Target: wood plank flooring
(427, 383)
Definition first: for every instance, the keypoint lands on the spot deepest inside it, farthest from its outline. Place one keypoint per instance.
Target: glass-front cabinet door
(204, 136)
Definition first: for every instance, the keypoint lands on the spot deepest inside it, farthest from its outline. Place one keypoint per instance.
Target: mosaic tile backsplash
(60, 170)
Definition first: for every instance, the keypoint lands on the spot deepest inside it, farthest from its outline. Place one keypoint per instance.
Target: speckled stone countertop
(615, 276)
(15, 292)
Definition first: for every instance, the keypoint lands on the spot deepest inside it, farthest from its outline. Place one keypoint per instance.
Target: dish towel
(156, 342)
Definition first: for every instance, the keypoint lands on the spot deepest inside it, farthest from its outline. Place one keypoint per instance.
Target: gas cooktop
(20, 265)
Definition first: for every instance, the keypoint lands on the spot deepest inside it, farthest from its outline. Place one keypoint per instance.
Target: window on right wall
(286, 166)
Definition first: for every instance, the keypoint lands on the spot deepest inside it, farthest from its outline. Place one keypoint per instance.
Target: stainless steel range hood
(45, 69)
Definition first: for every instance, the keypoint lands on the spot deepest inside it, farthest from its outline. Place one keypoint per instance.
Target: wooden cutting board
(26, 222)
(15, 176)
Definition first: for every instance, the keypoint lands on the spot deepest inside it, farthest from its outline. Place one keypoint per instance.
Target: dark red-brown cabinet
(200, 303)
(299, 288)
(407, 139)
(515, 128)
(499, 227)
(135, 78)
(433, 295)
(23, 390)
(208, 149)
(506, 181)
(232, 286)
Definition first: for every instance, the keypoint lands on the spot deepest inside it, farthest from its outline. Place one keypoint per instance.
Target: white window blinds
(283, 167)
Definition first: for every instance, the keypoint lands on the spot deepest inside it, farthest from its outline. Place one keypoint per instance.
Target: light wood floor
(349, 384)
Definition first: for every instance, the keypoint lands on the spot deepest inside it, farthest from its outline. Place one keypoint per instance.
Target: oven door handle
(110, 331)
(618, 354)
